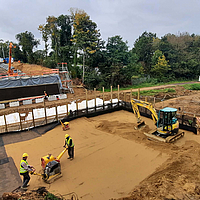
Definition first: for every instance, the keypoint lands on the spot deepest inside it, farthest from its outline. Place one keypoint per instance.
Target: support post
(118, 94)
(131, 95)
(56, 113)
(103, 98)
(111, 95)
(86, 101)
(45, 112)
(33, 118)
(6, 127)
(95, 102)
(20, 121)
(76, 107)
(138, 93)
(125, 98)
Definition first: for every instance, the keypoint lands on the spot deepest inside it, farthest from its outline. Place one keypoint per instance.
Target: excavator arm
(135, 103)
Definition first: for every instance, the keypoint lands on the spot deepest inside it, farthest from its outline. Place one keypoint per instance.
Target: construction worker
(45, 95)
(24, 170)
(70, 145)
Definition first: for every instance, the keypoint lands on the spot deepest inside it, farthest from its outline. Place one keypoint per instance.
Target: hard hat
(66, 123)
(25, 155)
(66, 135)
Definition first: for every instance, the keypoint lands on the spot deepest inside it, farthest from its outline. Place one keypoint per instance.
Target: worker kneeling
(24, 170)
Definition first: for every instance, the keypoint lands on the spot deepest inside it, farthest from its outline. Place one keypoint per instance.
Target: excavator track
(168, 139)
(174, 137)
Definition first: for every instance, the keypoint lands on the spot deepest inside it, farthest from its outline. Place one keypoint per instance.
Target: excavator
(167, 125)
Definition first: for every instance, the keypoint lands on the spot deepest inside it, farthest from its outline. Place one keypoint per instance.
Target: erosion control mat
(113, 160)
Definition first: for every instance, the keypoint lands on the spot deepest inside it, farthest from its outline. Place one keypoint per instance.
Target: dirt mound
(125, 130)
(28, 68)
(178, 178)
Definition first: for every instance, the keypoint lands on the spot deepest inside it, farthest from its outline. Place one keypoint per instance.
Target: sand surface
(108, 162)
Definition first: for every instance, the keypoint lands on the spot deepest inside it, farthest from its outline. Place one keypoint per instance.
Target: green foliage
(27, 43)
(161, 67)
(50, 63)
(51, 196)
(144, 49)
(92, 79)
(195, 86)
(155, 92)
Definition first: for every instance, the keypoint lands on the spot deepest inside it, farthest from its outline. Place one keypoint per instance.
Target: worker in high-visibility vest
(24, 170)
(70, 145)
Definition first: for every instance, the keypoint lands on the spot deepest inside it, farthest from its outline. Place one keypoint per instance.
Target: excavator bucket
(155, 135)
(140, 125)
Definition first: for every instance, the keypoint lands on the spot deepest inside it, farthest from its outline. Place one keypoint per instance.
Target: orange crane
(10, 72)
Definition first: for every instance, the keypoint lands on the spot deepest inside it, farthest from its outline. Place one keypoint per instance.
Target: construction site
(126, 147)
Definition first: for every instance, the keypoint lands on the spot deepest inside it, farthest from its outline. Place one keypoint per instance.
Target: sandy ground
(107, 164)
(113, 160)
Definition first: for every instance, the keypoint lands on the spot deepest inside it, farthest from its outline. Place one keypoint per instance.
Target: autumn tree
(45, 36)
(160, 66)
(85, 35)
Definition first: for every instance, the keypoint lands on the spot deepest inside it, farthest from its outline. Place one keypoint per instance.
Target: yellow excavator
(167, 125)
(51, 167)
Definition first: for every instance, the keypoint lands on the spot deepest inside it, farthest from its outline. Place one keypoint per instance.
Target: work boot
(23, 188)
(69, 158)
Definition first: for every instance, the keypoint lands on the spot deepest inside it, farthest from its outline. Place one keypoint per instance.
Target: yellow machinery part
(46, 159)
(61, 154)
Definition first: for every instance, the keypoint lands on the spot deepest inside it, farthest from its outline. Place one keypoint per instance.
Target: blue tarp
(28, 81)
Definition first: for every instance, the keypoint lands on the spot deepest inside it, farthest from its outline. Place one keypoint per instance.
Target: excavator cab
(167, 122)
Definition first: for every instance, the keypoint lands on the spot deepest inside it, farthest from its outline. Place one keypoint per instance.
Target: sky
(127, 18)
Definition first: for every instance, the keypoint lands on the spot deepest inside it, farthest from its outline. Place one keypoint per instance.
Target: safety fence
(29, 118)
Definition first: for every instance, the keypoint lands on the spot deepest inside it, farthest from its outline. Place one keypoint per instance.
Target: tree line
(75, 39)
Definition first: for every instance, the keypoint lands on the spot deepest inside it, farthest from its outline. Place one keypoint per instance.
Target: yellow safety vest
(67, 141)
(22, 170)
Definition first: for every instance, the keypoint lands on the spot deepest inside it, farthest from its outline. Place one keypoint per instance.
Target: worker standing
(45, 95)
(70, 145)
(24, 170)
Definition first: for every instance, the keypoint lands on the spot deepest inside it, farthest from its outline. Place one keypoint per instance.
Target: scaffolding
(65, 77)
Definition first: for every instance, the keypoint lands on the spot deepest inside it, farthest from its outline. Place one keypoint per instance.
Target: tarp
(29, 81)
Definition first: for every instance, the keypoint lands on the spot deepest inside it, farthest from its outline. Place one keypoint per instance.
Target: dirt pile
(177, 178)
(28, 68)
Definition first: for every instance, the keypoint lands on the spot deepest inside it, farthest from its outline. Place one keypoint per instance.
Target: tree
(144, 49)
(85, 35)
(45, 36)
(65, 50)
(160, 65)
(52, 29)
(27, 42)
(117, 53)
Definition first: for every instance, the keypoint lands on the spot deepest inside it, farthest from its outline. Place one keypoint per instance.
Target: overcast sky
(127, 18)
